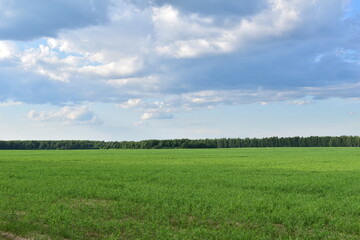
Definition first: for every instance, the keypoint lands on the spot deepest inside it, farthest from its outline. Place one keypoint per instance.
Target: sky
(163, 69)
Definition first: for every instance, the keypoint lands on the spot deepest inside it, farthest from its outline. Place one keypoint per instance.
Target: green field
(268, 193)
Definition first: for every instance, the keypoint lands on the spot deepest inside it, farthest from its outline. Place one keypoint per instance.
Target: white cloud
(7, 50)
(10, 103)
(131, 103)
(156, 115)
(192, 36)
(44, 61)
(68, 115)
(188, 35)
(151, 110)
(301, 102)
(122, 67)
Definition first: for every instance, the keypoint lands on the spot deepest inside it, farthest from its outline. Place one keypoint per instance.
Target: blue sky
(131, 70)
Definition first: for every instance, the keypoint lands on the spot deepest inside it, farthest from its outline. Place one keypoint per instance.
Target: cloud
(162, 57)
(7, 50)
(171, 104)
(156, 115)
(122, 67)
(44, 61)
(74, 115)
(131, 103)
(9, 103)
(152, 110)
(215, 7)
(191, 35)
(24, 20)
(210, 99)
(301, 102)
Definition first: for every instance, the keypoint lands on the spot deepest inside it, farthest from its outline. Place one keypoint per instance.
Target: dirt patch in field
(10, 236)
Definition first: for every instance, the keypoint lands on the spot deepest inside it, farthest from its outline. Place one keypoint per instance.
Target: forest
(314, 141)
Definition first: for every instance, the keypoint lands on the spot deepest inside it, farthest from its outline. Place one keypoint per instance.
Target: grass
(275, 193)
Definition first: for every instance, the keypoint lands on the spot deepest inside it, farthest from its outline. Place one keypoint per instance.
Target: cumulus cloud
(122, 67)
(131, 103)
(24, 20)
(45, 62)
(74, 115)
(7, 50)
(191, 35)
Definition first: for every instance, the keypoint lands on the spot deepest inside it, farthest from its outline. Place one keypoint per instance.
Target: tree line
(314, 141)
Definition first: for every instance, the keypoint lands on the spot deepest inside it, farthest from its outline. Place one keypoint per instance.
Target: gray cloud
(214, 7)
(291, 66)
(24, 20)
(68, 115)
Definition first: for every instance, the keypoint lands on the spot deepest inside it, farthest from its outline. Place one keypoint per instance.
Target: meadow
(259, 193)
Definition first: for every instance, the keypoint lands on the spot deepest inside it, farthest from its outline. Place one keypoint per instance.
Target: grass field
(282, 193)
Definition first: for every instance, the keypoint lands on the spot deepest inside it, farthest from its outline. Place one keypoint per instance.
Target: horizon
(171, 139)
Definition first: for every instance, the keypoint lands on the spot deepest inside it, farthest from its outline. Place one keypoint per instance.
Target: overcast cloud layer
(166, 56)
(25, 20)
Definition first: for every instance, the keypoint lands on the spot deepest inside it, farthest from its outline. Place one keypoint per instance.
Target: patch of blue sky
(355, 4)
(276, 119)
(24, 45)
(348, 55)
(353, 10)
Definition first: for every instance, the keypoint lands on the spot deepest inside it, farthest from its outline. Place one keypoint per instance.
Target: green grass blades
(267, 193)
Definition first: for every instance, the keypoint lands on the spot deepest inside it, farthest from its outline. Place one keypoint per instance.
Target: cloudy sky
(141, 69)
